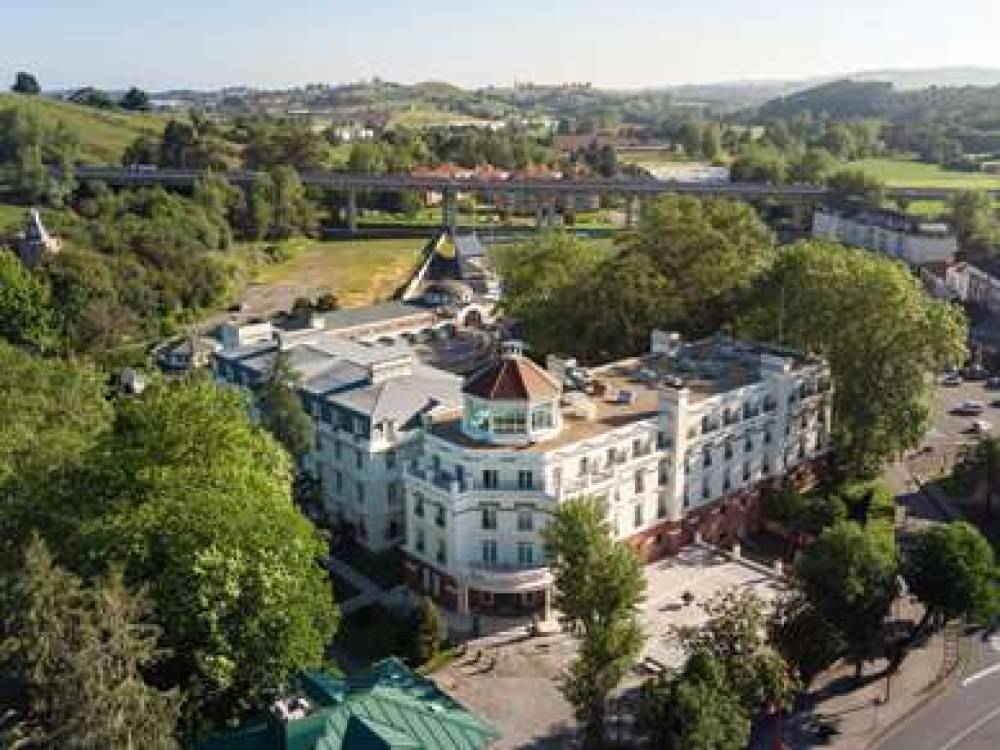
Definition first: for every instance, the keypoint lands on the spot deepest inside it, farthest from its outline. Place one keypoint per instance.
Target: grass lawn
(11, 217)
(103, 134)
(359, 272)
(910, 173)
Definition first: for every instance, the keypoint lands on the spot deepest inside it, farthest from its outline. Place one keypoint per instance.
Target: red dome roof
(513, 378)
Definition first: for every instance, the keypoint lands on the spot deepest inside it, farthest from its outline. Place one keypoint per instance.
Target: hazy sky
(208, 43)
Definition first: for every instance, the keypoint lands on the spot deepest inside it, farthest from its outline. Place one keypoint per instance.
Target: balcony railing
(507, 577)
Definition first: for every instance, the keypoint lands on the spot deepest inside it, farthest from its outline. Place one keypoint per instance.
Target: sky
(159, 44)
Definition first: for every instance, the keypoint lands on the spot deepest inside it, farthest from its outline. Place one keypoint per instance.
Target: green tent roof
(388, 707)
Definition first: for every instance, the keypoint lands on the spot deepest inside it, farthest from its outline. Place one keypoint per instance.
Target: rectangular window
(541, 417)
(748, 443)
(525, 520)
(640, 481)
(583, 466)
(706, 490)
(525, 480)
(663, 474)
(636, 448)
(489, 518)
(390, 459)
(662, 441)
(419, 544)
(707, 457)
(439, 517)
(336, 450)
(525, 554)
(489, 548)
(638, 515)
(359, 459)
(338, 481)
(661, 506)
(610, 457)
(442, 553)
(729, 450)
(361, 493)
(508, 422)
(394, 493)
(418, 505)
(491, 479)
(746, 471)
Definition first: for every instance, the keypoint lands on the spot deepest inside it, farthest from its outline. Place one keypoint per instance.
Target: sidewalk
(854, 713)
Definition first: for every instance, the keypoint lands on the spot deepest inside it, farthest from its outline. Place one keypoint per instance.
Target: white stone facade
(655, 456)
(915, 243)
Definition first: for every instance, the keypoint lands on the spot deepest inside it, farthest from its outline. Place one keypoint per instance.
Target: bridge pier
(352, 210)
(449, 209)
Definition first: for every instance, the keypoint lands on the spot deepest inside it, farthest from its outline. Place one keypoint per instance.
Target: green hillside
(103, 134)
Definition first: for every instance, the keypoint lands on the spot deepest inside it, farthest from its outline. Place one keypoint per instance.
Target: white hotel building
(677, 443)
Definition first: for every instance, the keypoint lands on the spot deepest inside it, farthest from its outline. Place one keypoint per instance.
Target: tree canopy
(952, 570)
(77, 656)
(883, 336)
(191, 501)
(849, 575)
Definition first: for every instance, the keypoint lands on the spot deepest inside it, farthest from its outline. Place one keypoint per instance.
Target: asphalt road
(966, 718)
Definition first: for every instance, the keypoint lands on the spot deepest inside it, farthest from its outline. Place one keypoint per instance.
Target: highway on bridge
(348, 182)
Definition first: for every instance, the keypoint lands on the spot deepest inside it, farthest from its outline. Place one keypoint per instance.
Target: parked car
(968, 409)
(951, 379)
(993, 383)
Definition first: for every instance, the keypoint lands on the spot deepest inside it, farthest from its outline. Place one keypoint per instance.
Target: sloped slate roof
(513, 378)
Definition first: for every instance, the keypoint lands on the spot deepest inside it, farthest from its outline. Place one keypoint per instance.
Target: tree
(975, 220)
(849, 575)
(736, 636)
(89, 96)
(293, 212)
(693, 710)
(260, 208)
(26, 83)
(135, 99)
(952, 570)
(281, 408)
(707, 253)
(187, 497)
(598, 588)
(857, 186)
(77, 655)
(806, 641)
(984, 459)
(882, 335)
(427, 631)
(26, 315)
(143, 150)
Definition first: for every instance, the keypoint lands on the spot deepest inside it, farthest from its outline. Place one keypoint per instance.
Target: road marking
(980, 675)
(985, 720)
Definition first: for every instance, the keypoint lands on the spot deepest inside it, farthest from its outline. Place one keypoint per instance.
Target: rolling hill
(103, 134)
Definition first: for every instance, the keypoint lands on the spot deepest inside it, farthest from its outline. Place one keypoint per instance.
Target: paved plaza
(512, 678)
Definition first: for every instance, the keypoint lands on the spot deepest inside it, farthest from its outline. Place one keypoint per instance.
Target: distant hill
(103, 134)
(906, 80)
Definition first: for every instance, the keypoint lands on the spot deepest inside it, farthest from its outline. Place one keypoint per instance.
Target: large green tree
(736, 634)
(952, 570)
(976, 220)
(25, 305)
(25, 83)
(707, 253)
(598, 588)
(883, 336)
(696, 709)
(196, 502)
(190, 500)
(281, 409)
(74, 657)
(850, 576)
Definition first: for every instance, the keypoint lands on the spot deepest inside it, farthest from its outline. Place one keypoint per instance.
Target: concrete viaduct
(547, 192)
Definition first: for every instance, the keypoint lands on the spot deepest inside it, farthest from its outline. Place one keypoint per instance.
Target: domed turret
(512, 401)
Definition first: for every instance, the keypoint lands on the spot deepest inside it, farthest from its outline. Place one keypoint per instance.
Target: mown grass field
(359, 272)
(909, 173)
(103, 134)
